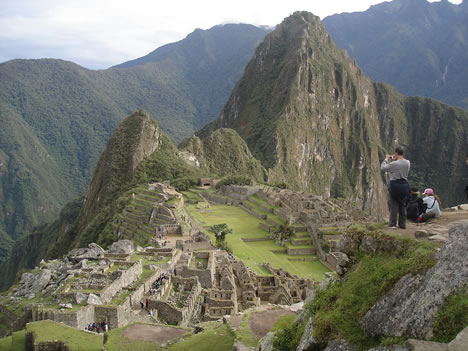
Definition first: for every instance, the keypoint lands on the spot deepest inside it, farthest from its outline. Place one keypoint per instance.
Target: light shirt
(398, 169)
(432, 205)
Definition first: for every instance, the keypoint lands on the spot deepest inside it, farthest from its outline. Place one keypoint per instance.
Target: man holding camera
(398, 189)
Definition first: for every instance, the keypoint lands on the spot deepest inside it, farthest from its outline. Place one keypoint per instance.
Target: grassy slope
(253, 253)
(77, 340)
(217, 337)
(338, 309)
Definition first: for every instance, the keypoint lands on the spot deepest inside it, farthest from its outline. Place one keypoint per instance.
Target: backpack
(412, 208)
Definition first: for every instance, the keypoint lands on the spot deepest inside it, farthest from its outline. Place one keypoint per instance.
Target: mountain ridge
(69, 113)
(419, 47)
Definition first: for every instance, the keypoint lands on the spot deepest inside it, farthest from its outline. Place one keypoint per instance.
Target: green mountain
(57, 116)
(317, 123)
(137, 153)
(223, 152)
(419, 47)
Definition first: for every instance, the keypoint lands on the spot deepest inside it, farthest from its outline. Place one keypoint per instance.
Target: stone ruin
(200, 284)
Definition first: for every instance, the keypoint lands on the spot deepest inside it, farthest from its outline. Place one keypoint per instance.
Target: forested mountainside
(318, 124)
(137, 153)
(419, 47)
(56, 116)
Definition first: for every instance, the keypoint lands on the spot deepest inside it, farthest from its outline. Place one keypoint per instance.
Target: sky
(98, 34)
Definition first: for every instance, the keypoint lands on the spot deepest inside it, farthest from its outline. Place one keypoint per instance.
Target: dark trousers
(397, 207)
(399, 191)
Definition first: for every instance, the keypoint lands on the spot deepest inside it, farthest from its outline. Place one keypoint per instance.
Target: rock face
(266, 343)
(122, 247)
(410, 307)
(94, 300)
(307, 340)
(32, 284)
(339, 345)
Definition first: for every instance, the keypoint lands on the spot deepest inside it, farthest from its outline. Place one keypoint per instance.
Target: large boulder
(307, 340)
(94, 300)
(266, 343)
(41, 280)
(410, 307)
(122, 247)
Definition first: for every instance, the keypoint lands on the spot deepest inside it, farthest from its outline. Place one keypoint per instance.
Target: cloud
(102, 33)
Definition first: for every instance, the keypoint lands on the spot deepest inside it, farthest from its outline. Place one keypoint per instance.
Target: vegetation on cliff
(314, 120)
(338, 309)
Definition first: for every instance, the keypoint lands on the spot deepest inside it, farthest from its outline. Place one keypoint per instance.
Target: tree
(220, 231)
(282, 234)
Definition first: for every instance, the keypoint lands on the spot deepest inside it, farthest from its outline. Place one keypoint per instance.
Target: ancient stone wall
(127, 278)
(205, 276)
(78, 319)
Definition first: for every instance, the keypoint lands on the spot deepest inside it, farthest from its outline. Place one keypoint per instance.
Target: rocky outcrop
(307, 340)
(32, 284)
(266, 343)
(410, 307)
(122, 247)
(339, 345)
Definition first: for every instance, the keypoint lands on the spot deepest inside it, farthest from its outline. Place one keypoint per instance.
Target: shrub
(235, 180)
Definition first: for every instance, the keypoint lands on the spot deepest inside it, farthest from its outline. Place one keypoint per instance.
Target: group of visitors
(158, 283)
(160, 239)
(404, 202)
(422, 209)
(100, 327)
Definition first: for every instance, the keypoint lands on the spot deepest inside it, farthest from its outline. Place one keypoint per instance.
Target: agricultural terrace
(244, 225)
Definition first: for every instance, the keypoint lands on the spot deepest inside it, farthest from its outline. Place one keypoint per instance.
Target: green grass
(214, 338)
(76, 340)
(452, 317)
(122, 296)
(254, 254)
(5, 343)
(18, 341)
(338, 309)
(117, 342)
(284, 322)
(245, 335)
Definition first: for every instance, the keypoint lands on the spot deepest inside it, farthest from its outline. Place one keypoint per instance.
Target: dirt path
(154, 333)
(437, 226)
(260, 323)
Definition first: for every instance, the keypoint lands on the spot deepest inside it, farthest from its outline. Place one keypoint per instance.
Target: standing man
(398, 189)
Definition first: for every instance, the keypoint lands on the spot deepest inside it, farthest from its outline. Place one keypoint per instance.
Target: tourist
(431, 206)
(398, 189)
(415, 205)
(146, 303)
(141, 304)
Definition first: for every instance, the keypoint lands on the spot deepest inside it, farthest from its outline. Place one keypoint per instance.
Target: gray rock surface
(266, 343)
(410, 307)
(122, 247)
(307, 340)
(80, 298)
(239, 346)
(389, 348)
(94, 300)
(339, 345)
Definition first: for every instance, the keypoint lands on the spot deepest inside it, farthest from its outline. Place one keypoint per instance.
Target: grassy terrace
(254, 253)
(75, 339)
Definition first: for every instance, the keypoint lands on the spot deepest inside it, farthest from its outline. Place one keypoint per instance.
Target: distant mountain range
(419, 47)
(303, 115)
(56, 116)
